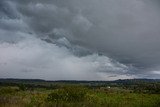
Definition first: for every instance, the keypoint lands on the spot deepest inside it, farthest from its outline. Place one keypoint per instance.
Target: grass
(75, 96)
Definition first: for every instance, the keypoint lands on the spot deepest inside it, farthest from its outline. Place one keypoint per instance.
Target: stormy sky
(79, 39)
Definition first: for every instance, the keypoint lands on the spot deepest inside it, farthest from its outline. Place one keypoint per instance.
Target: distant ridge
(79, 81)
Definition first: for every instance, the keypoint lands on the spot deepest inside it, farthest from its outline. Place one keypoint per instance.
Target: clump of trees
(151, 88)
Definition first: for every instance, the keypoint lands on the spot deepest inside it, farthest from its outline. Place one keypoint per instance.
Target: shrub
(68, 94)
(22, 87)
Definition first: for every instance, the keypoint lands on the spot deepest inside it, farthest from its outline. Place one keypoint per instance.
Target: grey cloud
(33, 58)
(125, 30)
(8, 9)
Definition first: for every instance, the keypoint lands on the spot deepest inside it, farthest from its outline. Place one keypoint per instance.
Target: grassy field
(75, 96)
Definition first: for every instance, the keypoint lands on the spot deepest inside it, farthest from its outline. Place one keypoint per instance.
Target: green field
(76, 95)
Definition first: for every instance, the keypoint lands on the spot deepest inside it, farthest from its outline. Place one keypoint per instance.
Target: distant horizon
(76, 80)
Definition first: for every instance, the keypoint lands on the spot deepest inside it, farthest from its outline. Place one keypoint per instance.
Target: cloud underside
(32, 57)
(55, 40)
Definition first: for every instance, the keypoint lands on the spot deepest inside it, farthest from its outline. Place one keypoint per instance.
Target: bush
(22, 87)
(68, 94)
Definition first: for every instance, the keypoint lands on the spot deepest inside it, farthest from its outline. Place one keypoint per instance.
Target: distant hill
(121, 81)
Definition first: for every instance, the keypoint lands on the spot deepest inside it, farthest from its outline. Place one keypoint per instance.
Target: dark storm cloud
(125, 30)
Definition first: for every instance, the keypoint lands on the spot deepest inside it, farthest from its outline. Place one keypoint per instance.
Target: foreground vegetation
(79, 95)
